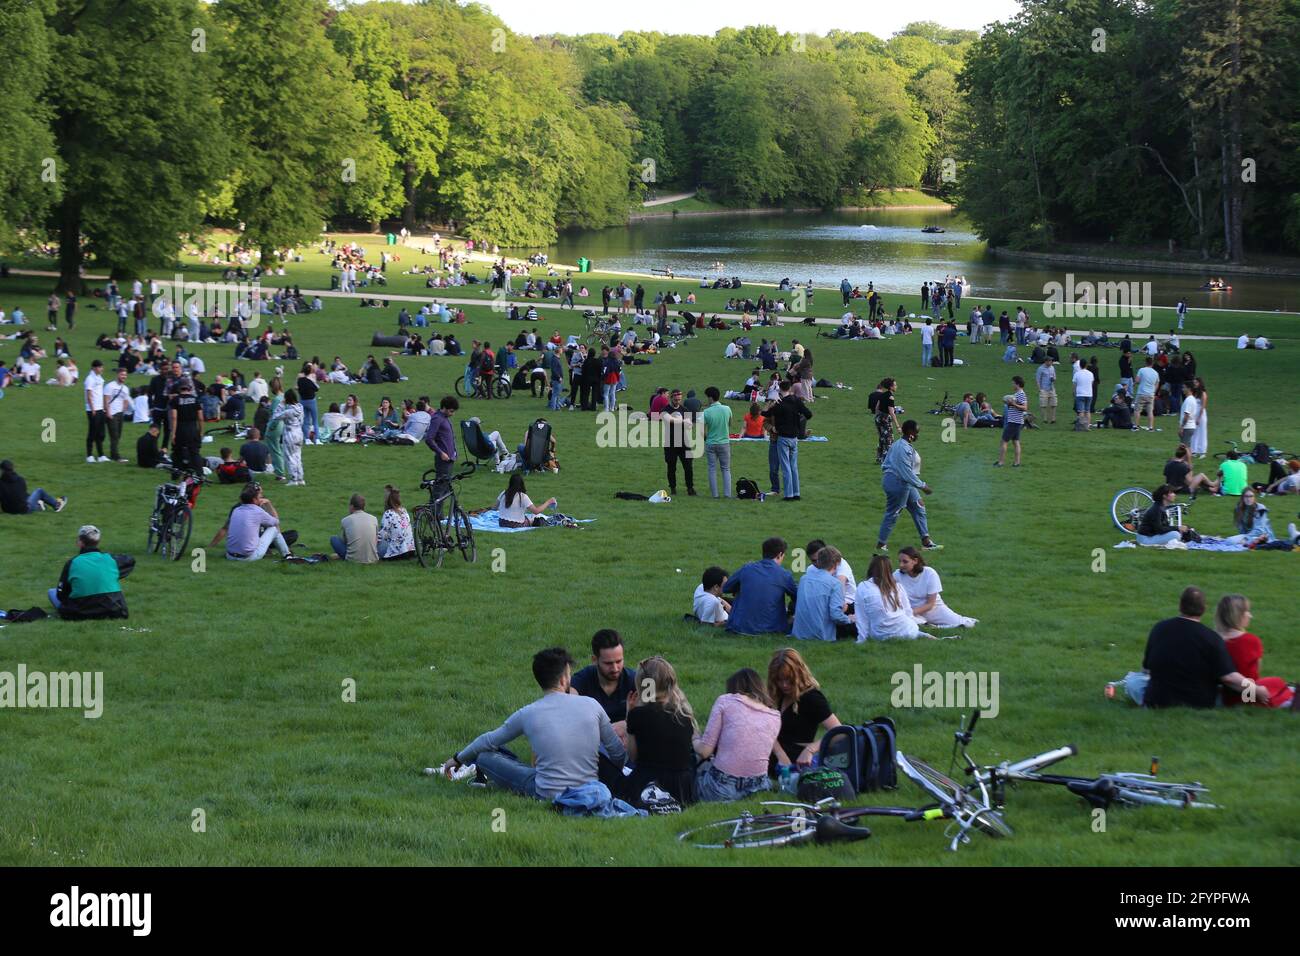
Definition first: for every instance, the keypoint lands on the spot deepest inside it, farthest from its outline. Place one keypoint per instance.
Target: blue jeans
(714, 786)
(789, 455)
(611, 397)
(925, 355)
(774, 466)
(309, 432)
(469, 380)
(504, 769)
(339, 546)
(1159, 540)
(898, 496)
(557, 390)
(54, 597)
(39, 495)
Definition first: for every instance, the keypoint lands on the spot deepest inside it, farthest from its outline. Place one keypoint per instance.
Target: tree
(29, 184)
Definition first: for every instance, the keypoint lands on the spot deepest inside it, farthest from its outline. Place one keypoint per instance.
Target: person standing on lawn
(117, 402)
(1046, 379)
(717, 441)
(903, 488)
(1014, 421)
(788, 416)
(94, 388)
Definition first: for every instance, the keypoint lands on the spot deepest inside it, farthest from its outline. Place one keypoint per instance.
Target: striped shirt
(1014, 415)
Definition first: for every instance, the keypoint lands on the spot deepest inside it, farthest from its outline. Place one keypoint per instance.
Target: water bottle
(783, 773)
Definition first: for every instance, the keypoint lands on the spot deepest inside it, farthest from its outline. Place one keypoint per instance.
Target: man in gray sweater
(565, 731)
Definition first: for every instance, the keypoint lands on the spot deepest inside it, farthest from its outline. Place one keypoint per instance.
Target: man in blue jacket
(761, 589)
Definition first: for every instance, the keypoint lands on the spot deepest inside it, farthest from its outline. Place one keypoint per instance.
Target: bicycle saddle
(1098, 793)
(834, 830)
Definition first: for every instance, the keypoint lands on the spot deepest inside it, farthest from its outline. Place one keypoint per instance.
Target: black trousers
(95, 433)
(671, 457)
(114, 425)
(185, 454)
(160, 418)
(588, 398)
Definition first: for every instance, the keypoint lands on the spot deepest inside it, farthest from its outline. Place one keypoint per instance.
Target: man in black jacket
(788, 415)
(590, 384)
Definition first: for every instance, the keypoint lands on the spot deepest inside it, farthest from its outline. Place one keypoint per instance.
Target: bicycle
(1248, 456)
(440, 527)
(828, 822)
(1100, 792)
(173, 515)
(1130, 504)
(598, 331)
(498, 384)
(943, 407)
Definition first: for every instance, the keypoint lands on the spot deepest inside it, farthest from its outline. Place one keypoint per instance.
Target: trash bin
(584, 264)
(392, 239)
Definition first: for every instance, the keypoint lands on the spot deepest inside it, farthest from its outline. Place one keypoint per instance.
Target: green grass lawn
(224, 689)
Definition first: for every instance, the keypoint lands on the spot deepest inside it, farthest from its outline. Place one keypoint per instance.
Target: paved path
(665, 200)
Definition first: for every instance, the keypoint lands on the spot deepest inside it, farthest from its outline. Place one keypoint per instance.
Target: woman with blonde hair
(880, 606)
(804, 708)
(396, 541)
(660, 728)
(737, 741)
(1231, 618)
(275, 429)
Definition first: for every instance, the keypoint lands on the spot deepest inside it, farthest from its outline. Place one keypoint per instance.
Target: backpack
(746, 488)
(865, 753)
(1261, 453)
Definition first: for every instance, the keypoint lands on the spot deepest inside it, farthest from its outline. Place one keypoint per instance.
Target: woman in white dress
(880, 606)
(923, 588)
(291, 415)
(396, 541)
(1200, 438)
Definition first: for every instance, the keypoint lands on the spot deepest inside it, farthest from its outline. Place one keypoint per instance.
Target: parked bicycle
(485, 386)
(1130, 504)
(442, 525)
(173, 514)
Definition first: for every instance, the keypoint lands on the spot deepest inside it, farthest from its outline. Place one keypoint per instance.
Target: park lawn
(223, 692)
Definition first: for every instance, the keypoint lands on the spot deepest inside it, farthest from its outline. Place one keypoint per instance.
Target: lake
(886, 247)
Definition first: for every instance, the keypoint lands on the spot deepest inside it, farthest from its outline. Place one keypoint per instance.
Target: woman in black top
(307, 389)
(1154, 529)
(660, 728)
(803, 708)
(881, 404)
(1179, 476)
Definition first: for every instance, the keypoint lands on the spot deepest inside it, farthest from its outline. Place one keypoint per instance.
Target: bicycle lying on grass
(1102, 791)
(1130, 504)
(442, 525)
(828, 822)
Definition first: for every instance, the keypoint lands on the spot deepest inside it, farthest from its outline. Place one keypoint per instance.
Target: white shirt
(94, 392)
(1082, 383)
(1151, 348)
(876, 618)
(708, 607)
(1243, 342)
(140, 410)
(927, 334)
(517, 511)
(1189, 413)
(118, 396)
(196, 364)
(258, 389)
(1261, 343)
(918, 589)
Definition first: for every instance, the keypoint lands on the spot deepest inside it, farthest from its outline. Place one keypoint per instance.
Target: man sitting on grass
(761, 589)
(90, 586)
(251, 528)
(359, 542)
(565, 731)
(708, 604)
(1188, 661)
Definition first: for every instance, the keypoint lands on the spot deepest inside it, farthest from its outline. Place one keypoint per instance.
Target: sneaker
(1292, 532)
(690, 492)
(1016, 465)
(63, 503)
(104, 458)
(932, 546)
(40, 506)
(997, 464)
(90, 459)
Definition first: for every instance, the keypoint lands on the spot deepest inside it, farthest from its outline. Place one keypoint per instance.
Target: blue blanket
(491, 521)
(809, 438)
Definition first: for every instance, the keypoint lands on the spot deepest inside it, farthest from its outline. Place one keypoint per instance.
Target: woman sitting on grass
(659, 734)
(737, 740)
(396, 541)
(803, 707)
(1179, 475)
(754, 421)
(1251, 520)
(1154, 529)
(516, 510)
(880, 607)
(1231, 618)
(924, 590)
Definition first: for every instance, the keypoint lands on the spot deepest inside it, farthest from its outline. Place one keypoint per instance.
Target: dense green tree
(29, 183)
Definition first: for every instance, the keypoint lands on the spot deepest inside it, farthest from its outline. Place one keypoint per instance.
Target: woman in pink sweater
(737, 741)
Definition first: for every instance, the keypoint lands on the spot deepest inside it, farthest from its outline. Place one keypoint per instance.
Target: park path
(525, 303)
(665, 200)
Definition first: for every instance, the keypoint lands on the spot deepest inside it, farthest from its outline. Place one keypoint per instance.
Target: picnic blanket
(490, 520)
(809, 438)
(1205, 544)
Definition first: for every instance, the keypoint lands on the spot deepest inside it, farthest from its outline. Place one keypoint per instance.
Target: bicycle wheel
(502, 388)
(776, 829)
(463, 535)
(1142, 789)
(427, 536)
(176, 535)
(1127, 508)
(460, 386)
(952, 795)
(155, 528)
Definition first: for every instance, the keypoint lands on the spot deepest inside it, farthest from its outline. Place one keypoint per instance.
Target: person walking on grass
(717, 441)
(903, 488)
(1017, 404)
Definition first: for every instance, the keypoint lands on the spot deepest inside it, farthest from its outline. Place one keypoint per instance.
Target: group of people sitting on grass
(634, 732)
(828, 603)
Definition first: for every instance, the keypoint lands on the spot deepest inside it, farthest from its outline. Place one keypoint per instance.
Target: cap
(89, 532)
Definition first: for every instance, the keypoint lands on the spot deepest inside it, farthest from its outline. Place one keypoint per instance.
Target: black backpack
(746, 488)
(865, 753)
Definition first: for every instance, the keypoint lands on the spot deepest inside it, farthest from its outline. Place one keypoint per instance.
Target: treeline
(127, 128)
(1136, 120)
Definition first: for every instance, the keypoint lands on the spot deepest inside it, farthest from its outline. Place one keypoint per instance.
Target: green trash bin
(584, 264)
(392, 239)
